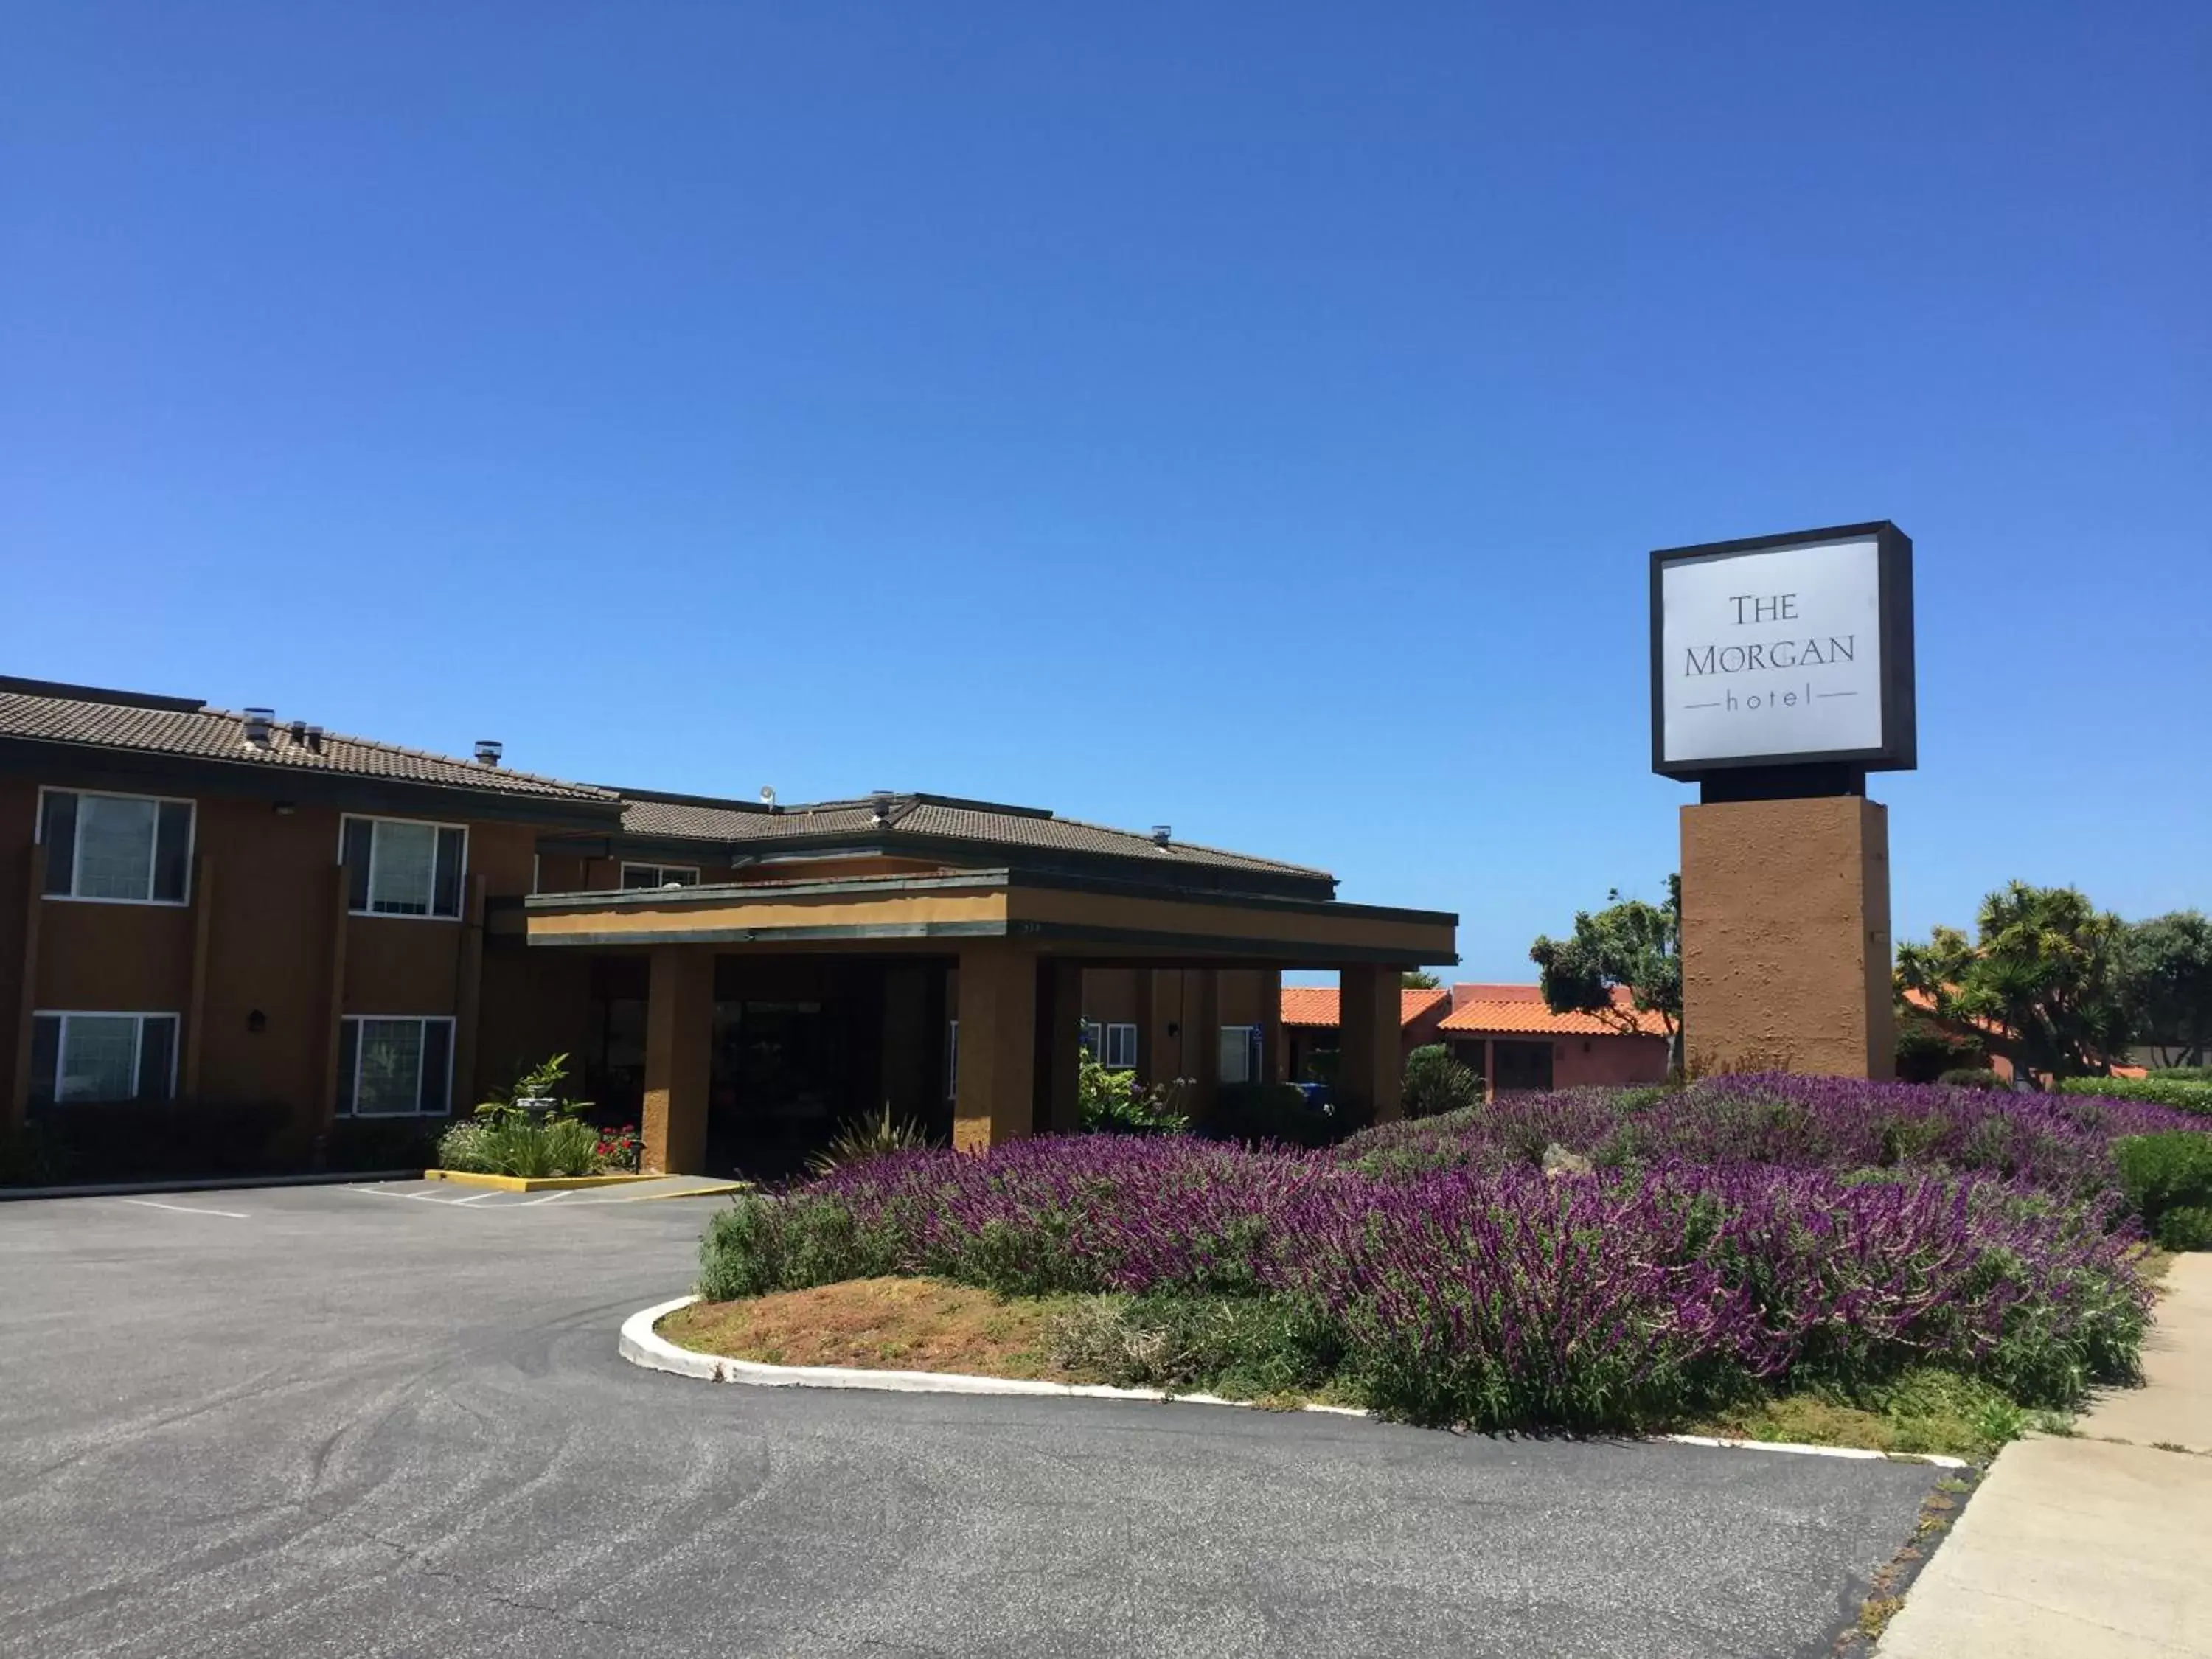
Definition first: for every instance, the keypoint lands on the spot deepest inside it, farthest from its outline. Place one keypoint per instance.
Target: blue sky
(1254, 419)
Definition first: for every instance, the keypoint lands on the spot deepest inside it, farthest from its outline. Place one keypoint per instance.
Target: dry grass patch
(881, 1324)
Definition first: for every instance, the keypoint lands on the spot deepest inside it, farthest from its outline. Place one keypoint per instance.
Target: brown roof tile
(177, 727)
(1318, 1005)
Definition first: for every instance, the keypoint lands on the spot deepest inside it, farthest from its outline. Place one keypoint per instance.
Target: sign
(1782, 651)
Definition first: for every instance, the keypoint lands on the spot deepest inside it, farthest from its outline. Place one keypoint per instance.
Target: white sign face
(1775, 653)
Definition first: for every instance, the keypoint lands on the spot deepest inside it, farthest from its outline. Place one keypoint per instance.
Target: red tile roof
(1316, 1004)
(1519, 1010)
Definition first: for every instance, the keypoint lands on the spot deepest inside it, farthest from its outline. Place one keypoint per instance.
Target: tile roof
(918, 816)
(1317, 1004)
(1519, 1010)
(189, 730)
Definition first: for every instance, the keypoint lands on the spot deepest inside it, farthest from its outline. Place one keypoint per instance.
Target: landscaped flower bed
(1828, 1237)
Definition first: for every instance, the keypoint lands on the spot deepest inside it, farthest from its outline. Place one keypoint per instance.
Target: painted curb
(640, 1345)
(533, 1183)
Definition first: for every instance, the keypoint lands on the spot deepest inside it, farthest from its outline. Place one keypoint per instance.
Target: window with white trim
(102, 1056)
(659, 875)
(122, 849)
(1120, 1053)
(395, 1066)
(403, 867)
(1240, 1053)
(1093, 1039)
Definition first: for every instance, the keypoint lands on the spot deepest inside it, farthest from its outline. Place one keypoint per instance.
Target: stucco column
(1202, 1038)
(1272, 1058)
(679, 1019)
(997, 1095)
(1371, 1074)
(1785, 936)
(1060, 1044)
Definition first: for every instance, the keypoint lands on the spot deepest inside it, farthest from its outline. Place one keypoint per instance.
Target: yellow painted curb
(531, 1183)
(722, 1191)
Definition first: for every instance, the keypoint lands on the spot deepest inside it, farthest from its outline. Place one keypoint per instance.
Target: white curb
(641, 1346)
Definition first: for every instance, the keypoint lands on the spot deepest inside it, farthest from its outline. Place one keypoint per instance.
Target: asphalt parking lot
(340, 1421)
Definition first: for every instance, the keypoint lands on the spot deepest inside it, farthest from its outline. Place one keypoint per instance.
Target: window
(1120, 1052)
(659, 875)
(1093, 1039)
(102, 1056)
(952, 1060)
(1240, 1053)
(397, 867)
(124, 849)
(395, 1067)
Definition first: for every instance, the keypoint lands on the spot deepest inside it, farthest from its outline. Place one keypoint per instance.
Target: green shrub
(2181, 1074)
(158, 1139)
(2168, 1180)
(1436, 1084)
(1973, 1077)
(760, 1244)
(2181, 1093)
(376, 1144)
(1926, 1050)
(1279, 1112)
(1111, 1103)
(1240, 1346)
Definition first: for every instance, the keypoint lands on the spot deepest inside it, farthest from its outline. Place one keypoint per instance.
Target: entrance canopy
(1064, 915)
(1006, 949)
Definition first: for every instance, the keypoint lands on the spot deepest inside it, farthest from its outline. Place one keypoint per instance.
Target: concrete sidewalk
(2099, 1547)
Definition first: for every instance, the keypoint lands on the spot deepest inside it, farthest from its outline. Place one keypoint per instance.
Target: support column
(679, 1019)
(1202, 1039)
(1273, 1061)
(1785, 936)
(997, 1096)
(1059, 1045)
(1490, 1068)
(1148, 1056)
(1371, 1075)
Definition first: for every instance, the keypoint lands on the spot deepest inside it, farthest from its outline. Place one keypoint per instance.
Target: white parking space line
(187, 1209)
(475, 1198)
(548, 1199)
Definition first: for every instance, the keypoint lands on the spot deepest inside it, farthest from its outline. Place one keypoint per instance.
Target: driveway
(335, 1421)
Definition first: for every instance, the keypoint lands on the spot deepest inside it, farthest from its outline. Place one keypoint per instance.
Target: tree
(2170, 985)
(1630, 944)
(2046, 974)
(1419, 979)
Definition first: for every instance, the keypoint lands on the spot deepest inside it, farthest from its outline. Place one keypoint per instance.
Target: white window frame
(461, 883)
(353, 1092)
(622, 874)
(1251, 1071)
(1112, 1043)
(76, 847)
(137, 1043)
(1093, 1040)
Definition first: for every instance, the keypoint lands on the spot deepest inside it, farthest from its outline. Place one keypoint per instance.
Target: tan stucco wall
(1785, 935)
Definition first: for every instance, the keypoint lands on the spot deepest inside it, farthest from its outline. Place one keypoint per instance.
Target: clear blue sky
(1248, 418)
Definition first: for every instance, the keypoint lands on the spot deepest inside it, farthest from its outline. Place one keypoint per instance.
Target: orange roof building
(1503, 1032)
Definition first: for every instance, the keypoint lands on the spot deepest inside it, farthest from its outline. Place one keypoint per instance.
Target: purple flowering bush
(1442, 1276)
(2058, 1144)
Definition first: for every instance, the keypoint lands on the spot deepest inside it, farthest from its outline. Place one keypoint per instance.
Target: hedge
(2180, 1093)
